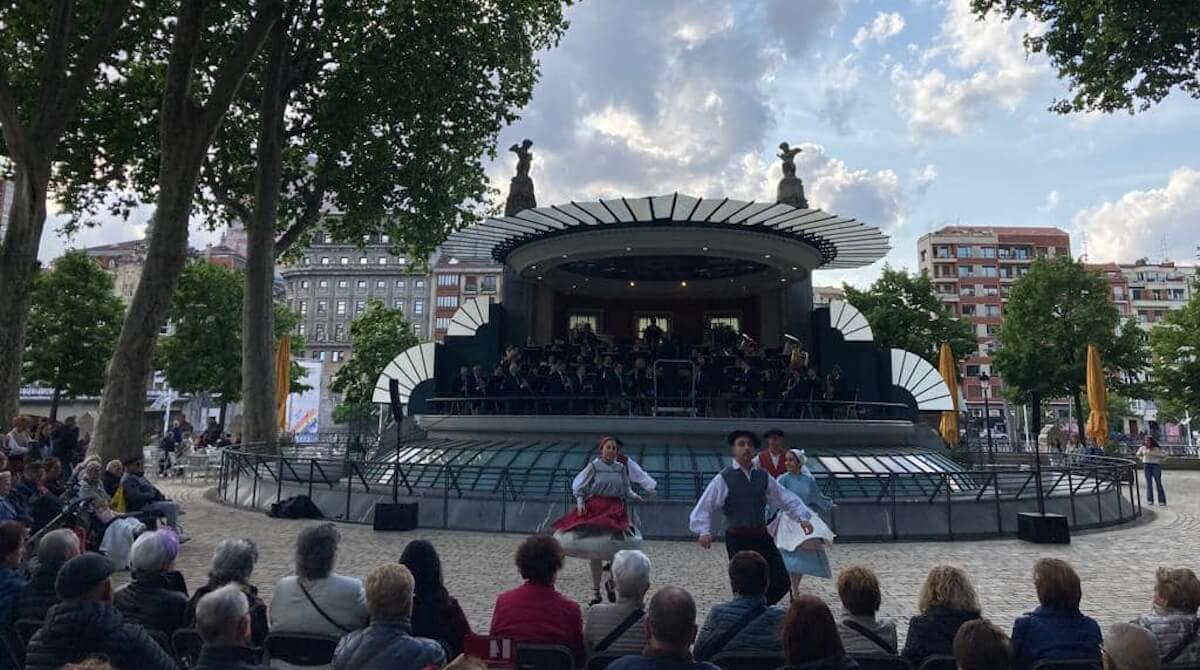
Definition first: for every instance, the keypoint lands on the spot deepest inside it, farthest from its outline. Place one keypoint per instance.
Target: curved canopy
(840, 242)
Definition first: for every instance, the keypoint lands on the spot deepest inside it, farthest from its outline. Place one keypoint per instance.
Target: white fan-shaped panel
(846, 319)
(922, 380)
(413, 366)
(470, 316)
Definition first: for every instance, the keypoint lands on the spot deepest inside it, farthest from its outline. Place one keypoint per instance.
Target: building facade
(458, 280)
(823, 295)
(7, 193)
(973, 269)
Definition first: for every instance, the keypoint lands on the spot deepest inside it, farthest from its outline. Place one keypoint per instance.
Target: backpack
(296, 507)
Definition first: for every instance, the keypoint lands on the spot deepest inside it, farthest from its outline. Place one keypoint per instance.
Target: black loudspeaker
(396, 516)
(1043, 528)
(397, 409)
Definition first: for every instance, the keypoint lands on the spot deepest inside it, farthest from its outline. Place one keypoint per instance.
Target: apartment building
(973, 269)
(457, 280)
(7, 193)
(823, 295)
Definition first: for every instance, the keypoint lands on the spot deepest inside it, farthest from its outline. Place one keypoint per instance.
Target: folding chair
(740, 661)
(544, 657)
(186, 643)
(299, 649)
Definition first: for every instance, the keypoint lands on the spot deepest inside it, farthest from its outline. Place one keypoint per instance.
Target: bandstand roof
(840, 242)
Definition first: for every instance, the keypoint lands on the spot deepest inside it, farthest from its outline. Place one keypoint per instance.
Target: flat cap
(82, 574)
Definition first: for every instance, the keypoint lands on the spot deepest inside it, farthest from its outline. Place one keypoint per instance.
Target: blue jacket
(760, 636)
(658, 662)
(932, 633)
(387, 645)
(1052, 633)
(12, 583)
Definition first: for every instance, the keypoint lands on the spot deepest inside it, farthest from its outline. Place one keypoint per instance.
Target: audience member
(670, 631)
(746, 623)
(85, 623)
(53, 551)
(53, 480)
(223, 622)
(19, 438)
(436, 614)
(113, 472)
(388, 643)
(535, 612)
(233, 563)
(8, 511)
(91, 484)
(1130, 647)
(12, 583)
(317, 600)
(1056, 629)
(617, 628)
(156, 598)
(947, 601)
(810, 637)
(90, 664)
(142, 496)
(1172, 619)
(980, 645)
(861, 633)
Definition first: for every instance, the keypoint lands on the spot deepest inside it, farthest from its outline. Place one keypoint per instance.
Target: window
(990, 290)
(322, 283)
(363, 260)
(966, 271)
(417, 329)
(730, 320)
(360, 306)
(489, 283)
(304, 283)
(989, 271)
(400, 283)
(338, 355)
(968, 310)
(972, 370)
(441, 323)
(399, 304)
(578, 319)
(383, 260)
(418, 307)
(379, 283)
(339, 332)
(361, 283)
(300, 329)
(385, 239)
(342, 283)
(343, 261)
(303, 307)
(447, 301)
(305, 260)
(447, 280)
(992, 310)
(993, 329)
(967, 290)
(941, 252)
(324, 260)
(318, 355)
(319, 332)
(340, 307)
(964, 251)
(322, 306)
(420, 283)
(989, 252)
(663, 321)
(471, 284)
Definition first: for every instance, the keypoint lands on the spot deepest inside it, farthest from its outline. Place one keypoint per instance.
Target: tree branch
(16, 135)
(54, 63)
(314, 200)
(230, 76)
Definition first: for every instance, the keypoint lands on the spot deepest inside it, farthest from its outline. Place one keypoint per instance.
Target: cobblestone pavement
(1117, 565)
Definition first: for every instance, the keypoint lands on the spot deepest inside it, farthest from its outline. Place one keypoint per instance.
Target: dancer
(742, 492)
(599, 525)
(636, 474)
(810, 557)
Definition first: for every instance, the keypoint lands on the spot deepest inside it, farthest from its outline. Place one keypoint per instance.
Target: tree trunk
(260, 419)
(54, 405)
(222, 414)
(18, 264)
(1079, 420)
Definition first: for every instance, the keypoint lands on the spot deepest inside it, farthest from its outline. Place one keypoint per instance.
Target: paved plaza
(1117, 565)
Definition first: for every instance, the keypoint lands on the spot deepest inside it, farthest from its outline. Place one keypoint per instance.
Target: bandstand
(723, 281)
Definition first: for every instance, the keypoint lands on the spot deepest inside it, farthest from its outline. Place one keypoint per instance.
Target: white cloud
(875, 198)
(926, 179)
(1052, 200)
(1136, 224)
(881, 28)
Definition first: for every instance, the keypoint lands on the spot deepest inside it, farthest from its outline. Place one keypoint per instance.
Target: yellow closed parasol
(949, 370)
(1097, 423)
(283, 380)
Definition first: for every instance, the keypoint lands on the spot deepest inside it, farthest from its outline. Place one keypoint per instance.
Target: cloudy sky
(912, 115)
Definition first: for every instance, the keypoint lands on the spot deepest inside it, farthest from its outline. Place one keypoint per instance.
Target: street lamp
(985, 389)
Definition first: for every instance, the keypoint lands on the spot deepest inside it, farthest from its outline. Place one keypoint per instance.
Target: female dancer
(807, 558)
(599, 525)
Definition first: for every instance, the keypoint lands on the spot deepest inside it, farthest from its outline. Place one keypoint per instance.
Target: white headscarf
(803, 459)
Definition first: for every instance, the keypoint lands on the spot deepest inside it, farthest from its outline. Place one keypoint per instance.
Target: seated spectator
(670, 631)
(53, 551)
(53, 480)
(142, 496)
(91, 485)
(223, 622)
(8, 511)
(436, 614)
(28, 487)
(1128, 646)
(861, 633)
(534, 612)
(980, 645)
(947, 601)
(745, 624)
(810, 637)
(86, 624)
(156, 598)
(388, 643)
(316, 600)
(113, 472)
(233, 563)
(12, 583)
(1173, 619)
(631, 578)
(1056, 629)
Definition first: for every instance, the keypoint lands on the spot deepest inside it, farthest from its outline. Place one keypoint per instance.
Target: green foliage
(1053, 314)
(73, 326)
(905, 313)
(1175, 343)
(1114, 54)
(378, 336)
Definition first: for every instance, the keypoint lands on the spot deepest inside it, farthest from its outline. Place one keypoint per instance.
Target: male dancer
(742, 492)
(773, 459)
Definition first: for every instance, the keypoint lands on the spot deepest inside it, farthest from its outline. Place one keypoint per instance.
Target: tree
(905, 313)
(73, 327)
(378, 336)
(1175, 344)
(1053, 313)
(50, 52)
(1114, 54)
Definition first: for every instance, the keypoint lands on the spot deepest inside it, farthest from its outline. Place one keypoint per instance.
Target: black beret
(82, 574)
(774, 432)
(743, 433)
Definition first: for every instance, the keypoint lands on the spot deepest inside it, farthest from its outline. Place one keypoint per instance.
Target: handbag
(318, 608)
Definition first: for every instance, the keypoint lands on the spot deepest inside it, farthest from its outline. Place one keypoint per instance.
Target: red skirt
(601, 513)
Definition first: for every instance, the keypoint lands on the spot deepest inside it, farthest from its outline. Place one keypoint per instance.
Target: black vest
(745, 506)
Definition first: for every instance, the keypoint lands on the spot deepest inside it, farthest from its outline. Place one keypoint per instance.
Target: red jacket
(765, 464)
(538, 614)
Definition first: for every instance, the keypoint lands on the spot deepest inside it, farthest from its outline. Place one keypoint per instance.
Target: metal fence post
(254, 485)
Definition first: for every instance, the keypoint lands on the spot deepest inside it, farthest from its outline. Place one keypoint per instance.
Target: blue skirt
(815, 563)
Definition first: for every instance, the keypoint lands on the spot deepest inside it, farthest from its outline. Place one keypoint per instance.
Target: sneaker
(596, 600)
(1162, 504)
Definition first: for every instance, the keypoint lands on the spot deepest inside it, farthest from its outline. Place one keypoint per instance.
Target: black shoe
(596, 600)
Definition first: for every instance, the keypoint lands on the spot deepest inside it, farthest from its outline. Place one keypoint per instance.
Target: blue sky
(913, 115)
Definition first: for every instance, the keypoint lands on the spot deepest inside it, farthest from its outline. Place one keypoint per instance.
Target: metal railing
(1089, 488)
(724, 406)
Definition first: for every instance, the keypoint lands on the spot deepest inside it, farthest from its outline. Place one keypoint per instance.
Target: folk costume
(805, 554)
(599, 526)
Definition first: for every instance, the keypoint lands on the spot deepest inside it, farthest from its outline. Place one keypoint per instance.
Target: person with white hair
(91, 484)
(223, 621)
(233, 563)
(617, 628)
(53, 550)
(1128, 646)
(157, 597)
(808, 557)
